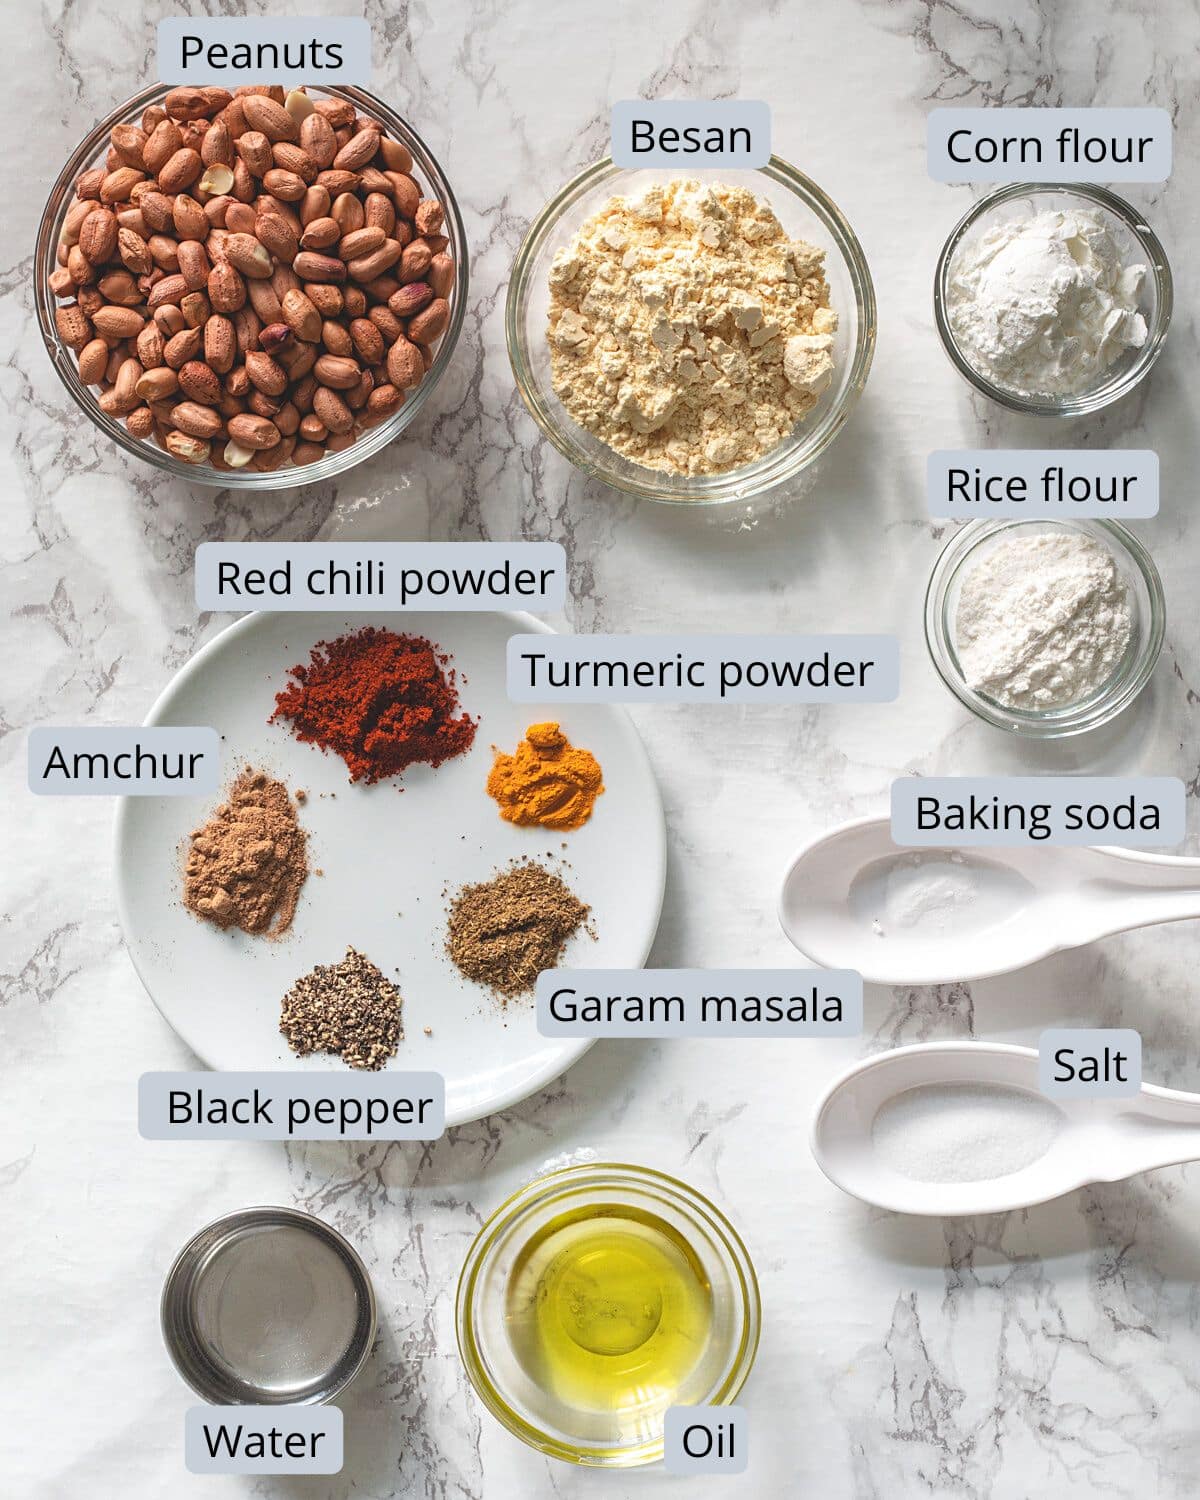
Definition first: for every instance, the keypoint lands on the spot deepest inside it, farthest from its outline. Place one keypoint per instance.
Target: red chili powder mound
(381, 701)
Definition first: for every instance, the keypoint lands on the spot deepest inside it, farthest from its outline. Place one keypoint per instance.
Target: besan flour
(687, 331)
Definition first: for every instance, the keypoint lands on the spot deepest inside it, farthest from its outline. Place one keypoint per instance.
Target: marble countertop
(1053, 1351)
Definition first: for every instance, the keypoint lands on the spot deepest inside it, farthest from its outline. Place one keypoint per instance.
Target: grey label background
(351, 33)
(687, 114)
(691, 985)
(1055, 791)
(395, 557)
(113, 740)
(305, 1420)
(154, 1120)
(882, 684)
(1030, 464)
(735, 1424)
(1089, 1040)
(1045, 124)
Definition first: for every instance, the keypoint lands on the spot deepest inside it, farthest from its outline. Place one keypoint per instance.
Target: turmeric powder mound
(547, 783)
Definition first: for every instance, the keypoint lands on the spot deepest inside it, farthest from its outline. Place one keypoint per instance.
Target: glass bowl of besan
(697, 337)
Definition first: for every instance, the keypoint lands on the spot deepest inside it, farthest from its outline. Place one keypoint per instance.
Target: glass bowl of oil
(597, 1297)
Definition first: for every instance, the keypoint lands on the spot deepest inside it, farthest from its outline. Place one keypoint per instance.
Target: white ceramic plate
(387, 856)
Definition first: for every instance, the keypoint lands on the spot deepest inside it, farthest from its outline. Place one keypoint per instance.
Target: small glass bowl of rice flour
(1045, 628)
(1052, 300)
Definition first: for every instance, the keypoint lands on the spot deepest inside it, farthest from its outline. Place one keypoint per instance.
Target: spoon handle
(1160, 904)
(1166, 886)
(1141, 870)
(1161, 1127)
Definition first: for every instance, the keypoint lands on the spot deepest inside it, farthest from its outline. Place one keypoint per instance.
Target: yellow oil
(609, 1311)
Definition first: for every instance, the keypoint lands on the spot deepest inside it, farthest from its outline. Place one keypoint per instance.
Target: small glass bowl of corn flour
(1045, 628)
(1053, 300)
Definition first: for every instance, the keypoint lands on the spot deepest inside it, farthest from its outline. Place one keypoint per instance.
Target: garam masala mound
(504, 931)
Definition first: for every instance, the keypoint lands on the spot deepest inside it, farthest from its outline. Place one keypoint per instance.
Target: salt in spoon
(1096, 1139)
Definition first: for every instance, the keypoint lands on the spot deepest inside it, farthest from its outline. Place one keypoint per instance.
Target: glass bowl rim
(1063, 722)
(288, 476)
(725, 488)
(599, 1175)
(1105, 393)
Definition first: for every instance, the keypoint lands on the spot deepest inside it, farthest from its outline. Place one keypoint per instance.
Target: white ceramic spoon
(854, 900)
(1098, 1140)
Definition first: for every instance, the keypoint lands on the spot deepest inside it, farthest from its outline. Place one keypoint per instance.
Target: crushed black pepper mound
(349, 1009)
(503, 932)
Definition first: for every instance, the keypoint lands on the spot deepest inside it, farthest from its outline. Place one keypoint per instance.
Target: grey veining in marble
(1051, 1352)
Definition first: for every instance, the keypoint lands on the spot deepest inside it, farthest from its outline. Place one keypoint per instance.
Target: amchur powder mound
(686, 330)
(246, 865)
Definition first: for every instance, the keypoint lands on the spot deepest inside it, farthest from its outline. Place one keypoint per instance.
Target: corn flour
(1044, 305)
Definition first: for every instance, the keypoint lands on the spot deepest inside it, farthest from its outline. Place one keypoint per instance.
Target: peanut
(270, 118)
(405, 367)
(180, 170)
(317, 138)
(265, 373)
(185, 104)
(192, 450)
(226, 289)
(332, 410)
(396, 157)
(216, 179)
(245, 253)
(301, 316)
(134, 252)
(161, 145)
(310, 266)
(340, 373)
(93, 361)
(357, 151)
(98, 236)
(410, 299)
(253, 432)
(360, 242)
(220, 343)
(158, 384)
(383, 401)
(196, 420)
(431, 323)
(118, 322)
(118, 186)
(441, 274)
(320, 234)
(199, 383)
(140, 422)
(255, 151)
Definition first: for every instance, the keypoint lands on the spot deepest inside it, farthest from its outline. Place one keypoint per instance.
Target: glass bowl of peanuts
(251, 290)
